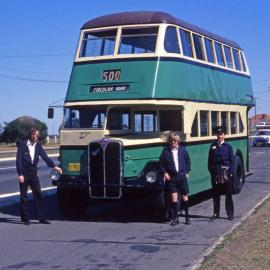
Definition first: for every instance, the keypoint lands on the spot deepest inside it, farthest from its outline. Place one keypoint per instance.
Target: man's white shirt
(31, 148)
(175, 158)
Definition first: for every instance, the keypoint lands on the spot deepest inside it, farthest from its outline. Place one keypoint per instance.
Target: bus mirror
(50, 113)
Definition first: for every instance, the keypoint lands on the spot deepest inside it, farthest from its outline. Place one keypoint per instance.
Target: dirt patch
(247, 247)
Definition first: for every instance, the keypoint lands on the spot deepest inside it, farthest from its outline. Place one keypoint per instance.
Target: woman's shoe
(174, 222)
(215, 216)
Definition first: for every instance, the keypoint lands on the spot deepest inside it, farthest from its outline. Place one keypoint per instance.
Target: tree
(20, 127)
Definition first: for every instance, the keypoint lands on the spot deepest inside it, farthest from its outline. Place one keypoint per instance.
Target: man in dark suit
(221, 168)
(28, 154)
(175, 166)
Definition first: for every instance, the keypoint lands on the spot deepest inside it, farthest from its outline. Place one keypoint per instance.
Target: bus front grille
(105, 169)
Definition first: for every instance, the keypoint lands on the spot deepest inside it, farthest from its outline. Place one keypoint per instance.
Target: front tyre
(238, 175)
(72, 202)
(161, 206)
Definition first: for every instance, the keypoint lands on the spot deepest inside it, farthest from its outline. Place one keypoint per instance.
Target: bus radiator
(105, 169)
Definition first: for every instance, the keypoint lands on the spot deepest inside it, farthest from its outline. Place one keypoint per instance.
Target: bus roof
(149, 17)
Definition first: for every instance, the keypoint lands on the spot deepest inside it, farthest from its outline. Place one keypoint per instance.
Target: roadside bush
(20, 127)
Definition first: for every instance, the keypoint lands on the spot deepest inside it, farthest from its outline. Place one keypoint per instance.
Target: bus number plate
(74, 167)
(111, 75)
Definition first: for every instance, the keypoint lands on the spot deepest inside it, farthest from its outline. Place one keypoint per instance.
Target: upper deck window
(98, 43)
(236, 59)
(198, 47)
(209, 50)
(220, 57)
(138, 40)
(243, 62)
(186, 43)
(228, 56)
(171, 44)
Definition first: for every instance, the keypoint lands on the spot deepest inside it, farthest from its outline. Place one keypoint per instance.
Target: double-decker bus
(137, 76)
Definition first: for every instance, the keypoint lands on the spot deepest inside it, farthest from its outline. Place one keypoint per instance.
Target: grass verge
(247, 247)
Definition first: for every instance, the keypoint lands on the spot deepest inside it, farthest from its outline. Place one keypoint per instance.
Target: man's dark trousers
(31, 179)
(221, 189)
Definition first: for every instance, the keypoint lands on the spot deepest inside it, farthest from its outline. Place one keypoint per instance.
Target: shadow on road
(118, 212)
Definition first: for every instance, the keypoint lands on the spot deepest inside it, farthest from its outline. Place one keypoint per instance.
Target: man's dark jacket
(220, 155)
(23, 161)
(167, 163)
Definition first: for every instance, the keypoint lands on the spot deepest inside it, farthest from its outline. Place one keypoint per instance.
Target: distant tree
(20, 127)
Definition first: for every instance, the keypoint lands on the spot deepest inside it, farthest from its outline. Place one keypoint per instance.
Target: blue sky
(39, 38)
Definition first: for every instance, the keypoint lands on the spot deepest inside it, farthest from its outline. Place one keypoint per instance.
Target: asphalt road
(120, 237)
(8, 175)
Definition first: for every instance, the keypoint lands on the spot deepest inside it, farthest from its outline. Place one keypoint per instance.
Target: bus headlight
(55, 175)
(151, 177)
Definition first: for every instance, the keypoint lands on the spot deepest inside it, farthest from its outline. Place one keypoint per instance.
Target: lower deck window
(170, 120)
(204, 123)
(214, 121)
(194, 128)
(233, 123)
(145, 122)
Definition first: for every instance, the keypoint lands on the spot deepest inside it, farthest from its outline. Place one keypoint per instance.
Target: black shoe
(215, 216)
(44, 221)
(230, 217)
(26, 222)
(174, 222)
(188, 221)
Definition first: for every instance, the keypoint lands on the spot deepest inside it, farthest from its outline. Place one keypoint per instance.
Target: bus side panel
(242, 146)
(138, 76)
(135, 159)
(199, 177)
(201, 83)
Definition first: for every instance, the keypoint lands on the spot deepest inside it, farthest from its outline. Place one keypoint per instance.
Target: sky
(39, 38)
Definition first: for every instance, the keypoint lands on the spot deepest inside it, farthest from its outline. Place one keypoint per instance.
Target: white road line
(7, 195)
(14, 158)
(6, 168)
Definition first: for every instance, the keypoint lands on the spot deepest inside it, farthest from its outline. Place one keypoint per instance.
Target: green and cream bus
(137, 76)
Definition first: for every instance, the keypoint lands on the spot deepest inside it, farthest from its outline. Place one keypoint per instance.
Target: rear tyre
(238, 176)
(72, 202)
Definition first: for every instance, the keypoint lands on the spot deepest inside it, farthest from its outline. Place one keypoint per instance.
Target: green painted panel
(174, 79)
(74, 156)
(136, 159)
(138, 75)
(198, 83)
(199, 177)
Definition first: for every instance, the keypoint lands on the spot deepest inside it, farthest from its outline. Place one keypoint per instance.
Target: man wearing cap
(221, 167)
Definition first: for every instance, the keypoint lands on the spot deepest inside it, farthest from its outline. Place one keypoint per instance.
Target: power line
(30, 80)
(260, 81)
(36, 55)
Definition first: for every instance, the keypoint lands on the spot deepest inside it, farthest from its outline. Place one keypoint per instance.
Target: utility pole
(255, 111)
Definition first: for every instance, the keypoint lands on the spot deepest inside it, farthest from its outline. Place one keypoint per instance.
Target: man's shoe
(188, 221)
(174, 222)
(44, 221)
(230, 217)
(215, 216)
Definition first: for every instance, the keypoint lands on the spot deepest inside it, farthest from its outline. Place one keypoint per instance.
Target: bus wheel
(72, 202)
(239, 176)
(161, 206)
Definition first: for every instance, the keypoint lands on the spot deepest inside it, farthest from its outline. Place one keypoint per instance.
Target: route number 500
(111, 75)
